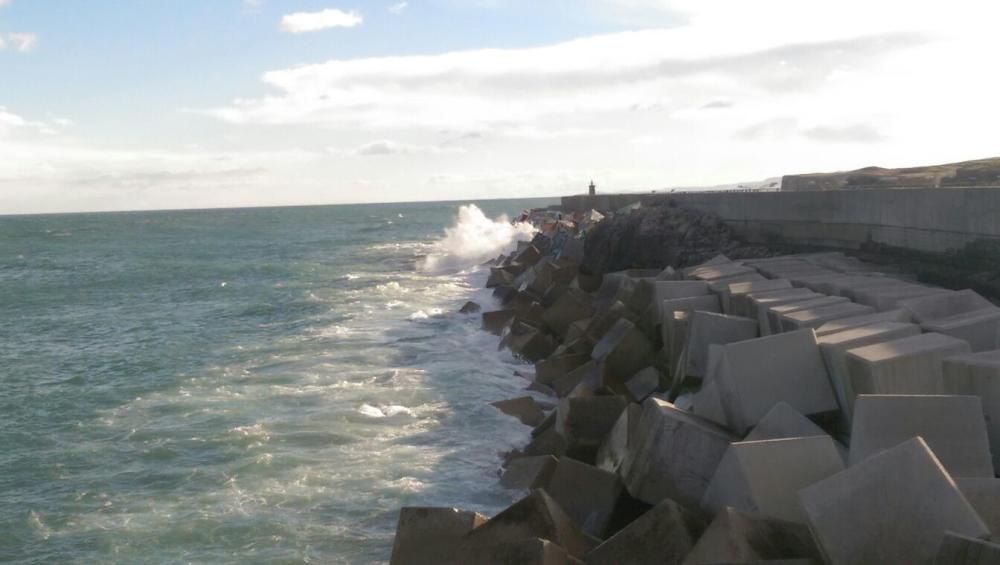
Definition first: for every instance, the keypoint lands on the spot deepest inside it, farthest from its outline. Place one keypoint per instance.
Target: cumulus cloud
(306, 22)
(397, 8)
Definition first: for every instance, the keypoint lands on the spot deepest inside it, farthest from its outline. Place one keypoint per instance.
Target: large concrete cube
(665, 534)
(586, 493)
(760, 303)
(844, 324)
(526, 473)
(622, 352)
(535, 516)
(674, 454)
(571, 306)
(894, 507)
(945, 305)
(783, 422)
(425, 536)
(978, 374)
(816, 317)
(705, 329)
(775, 313)
(586, 421)
(963, 550)
(720, 271)
(952, 426)
(888, 298)
(528, 551)
(835, 347)
(984, 496)
(735, 536)
(910, 365)
(734, 296)
(980, 328)
(754, 375)
(765, 476)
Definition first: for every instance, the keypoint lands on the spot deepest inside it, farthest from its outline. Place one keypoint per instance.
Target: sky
(154, 104)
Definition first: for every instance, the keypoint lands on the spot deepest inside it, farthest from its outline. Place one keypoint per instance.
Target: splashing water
(475, 238)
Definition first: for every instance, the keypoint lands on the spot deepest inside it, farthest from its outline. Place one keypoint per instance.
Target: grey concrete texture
(705, 329)
(957, 549)
(952, 426)
(427, 535)
(754, 375)
(843, 324)
(984, 496)
(781, 422)
(816, 317)
(945, 305)
(978, 374)
(587, 494)
(623, 351)
(894, 507)
(528, 551)
(526, 473)
(735, 536)
(981, 328)
(774, 313)
(911, 365)
(665, 534)
(765, 476)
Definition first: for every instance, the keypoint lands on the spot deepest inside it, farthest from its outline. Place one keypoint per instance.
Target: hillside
(982, 172)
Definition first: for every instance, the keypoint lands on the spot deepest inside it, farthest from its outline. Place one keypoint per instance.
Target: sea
(265, 385)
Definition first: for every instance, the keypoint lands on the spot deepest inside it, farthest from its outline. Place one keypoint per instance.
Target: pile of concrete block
(795, 409)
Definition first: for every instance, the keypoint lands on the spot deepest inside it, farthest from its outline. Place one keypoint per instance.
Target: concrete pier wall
(924, 219)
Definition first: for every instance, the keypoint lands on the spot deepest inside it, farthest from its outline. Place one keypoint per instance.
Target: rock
(765, 476)
(911, 365)
(664, 534)
(957, 549)
(470, 308)
(621, 353)
(586, 493)
(526, 473)
(426, 536)
(524, 409)
(674, 454)
(952, 426)
(754, 375)
(742, 537)
(978, 374)
(495, 322)
(902, 494)
(535, 516)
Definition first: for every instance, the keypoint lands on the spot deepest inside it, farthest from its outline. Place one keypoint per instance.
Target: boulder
(893, 507)
(534, 516)
(586, 493)
(910, 365)
(426, 536)
(664, 534)
(952, 426)
(978, 374)
(526, 473)
(674, 454)
(957, 549)
(765, 476)
(524, 409)
(735, 536)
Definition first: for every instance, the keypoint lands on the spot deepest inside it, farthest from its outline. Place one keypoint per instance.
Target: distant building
(593, 189)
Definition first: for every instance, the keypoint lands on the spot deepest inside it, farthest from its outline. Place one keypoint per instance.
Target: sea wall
(930, 220)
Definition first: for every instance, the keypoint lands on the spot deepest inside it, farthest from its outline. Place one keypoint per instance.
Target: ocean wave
(473, 239)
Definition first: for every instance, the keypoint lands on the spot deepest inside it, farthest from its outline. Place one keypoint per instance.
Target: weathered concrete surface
(526, 473)
(551, 368)
(674, 454)
(524, 409)
(615, 447)
(891, 508)
(980, 328)
(642, 384)
(742, 537)
(984, 496)
(535, 516)
(775, 313)
(952, 426)
(835, 347)
(978, 374)
(571, 306)
(586, 493)
(911, 365)
(760, 303)
(755, 375)
(495, 321)
(781, 422)
(816, 317)
(844, 324)
(734, 297)
(945, 305)
(957, 549)
(705, 329)
(586, 421)
(531, 551)
(622, 352)
(765, 476)
(665, 535)
(426, 536)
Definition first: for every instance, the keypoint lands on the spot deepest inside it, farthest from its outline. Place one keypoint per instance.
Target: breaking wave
(473, 239)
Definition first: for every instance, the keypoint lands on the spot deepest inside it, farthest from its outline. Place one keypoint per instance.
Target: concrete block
(957, 549)
(674, 337)
(761, 303)
(705, 303)
(526, 473)
(735, 296)
(588, 372)
(735, 536)
(551, 368)
(604, 320)
(910, 365)
(980, 328)
(945, 305)
(834, 348)
(674, 454)
(721, 286)
(642, 384)
(578, 329)
(984, 496)
(891, 508)
(978, 374)
(707, 402)
(495, 321)
(888, 298)
(665, 534)
(721, 271)
(783, 422)
(705, 329)
(586, 493)
(524, 409)
(952, 426)
(719, 259)
(531, 345)
(668, 290)
(532, 551)
(754, 375)
(586, 421)
(622, 352)
(775, 313)
(765, 476)
(534, 516)
(843, 324)
(816, 317)
(615, 447)
(571, 306)
(426, 536)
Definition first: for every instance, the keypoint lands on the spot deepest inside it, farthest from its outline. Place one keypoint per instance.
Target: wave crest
(473, 239)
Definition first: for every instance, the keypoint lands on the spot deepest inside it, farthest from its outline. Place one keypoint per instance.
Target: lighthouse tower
(593, 188)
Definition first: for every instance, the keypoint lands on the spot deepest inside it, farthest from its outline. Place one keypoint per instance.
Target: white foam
(473, 239)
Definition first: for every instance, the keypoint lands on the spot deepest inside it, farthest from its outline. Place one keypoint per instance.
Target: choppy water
(241, 386)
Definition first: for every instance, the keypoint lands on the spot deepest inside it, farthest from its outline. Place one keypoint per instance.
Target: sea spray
(473, 239)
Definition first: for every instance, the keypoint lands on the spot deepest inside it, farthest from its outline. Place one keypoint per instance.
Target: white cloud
(22, 42)
(4, 3)
(306, 22)
(386, 147)
(397, 8)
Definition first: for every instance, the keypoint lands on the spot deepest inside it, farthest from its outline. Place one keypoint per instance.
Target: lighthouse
(593, 188)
